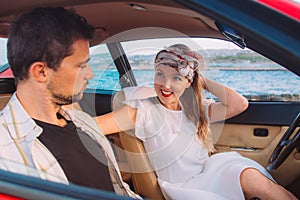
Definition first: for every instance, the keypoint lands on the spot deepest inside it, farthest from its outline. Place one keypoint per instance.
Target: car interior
(255, 133)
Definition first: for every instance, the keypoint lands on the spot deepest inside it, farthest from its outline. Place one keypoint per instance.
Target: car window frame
(19, 185)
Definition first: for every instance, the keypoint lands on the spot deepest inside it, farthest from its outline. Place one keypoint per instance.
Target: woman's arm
(231, 103)
(122, 119)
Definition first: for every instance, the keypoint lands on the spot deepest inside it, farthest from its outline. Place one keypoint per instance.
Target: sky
(193, 42)
(150, 46)
(153, 46)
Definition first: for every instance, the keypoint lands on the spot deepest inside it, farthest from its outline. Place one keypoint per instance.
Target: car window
(106, 75)
(3, 58)
(5, 71)
(254, 76)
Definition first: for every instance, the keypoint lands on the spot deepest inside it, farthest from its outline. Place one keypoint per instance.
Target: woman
(174, 127)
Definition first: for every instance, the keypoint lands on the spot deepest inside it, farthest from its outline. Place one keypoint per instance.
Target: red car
(252, 46)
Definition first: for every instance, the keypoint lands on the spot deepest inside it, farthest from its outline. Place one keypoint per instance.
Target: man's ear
(38, 71)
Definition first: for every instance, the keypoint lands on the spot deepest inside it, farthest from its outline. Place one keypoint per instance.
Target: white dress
(180, 160)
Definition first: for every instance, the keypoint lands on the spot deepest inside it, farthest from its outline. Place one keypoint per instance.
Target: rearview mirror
(231, 34)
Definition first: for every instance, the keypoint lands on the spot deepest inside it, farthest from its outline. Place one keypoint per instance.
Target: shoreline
(245, 69)
(227, 68)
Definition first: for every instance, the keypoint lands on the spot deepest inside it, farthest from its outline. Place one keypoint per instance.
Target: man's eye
(83, 65)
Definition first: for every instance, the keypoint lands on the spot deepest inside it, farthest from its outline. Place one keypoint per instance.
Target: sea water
(281, 83)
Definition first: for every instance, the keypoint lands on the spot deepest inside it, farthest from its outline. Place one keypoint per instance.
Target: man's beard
(60, 99)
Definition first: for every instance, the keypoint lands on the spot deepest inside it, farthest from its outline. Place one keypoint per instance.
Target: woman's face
(169, 85)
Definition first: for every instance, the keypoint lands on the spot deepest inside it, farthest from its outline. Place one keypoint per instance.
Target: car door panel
(268, 113)
(238, 134)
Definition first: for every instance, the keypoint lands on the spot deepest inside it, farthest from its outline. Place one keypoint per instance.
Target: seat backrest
(143, 177)
(4, 98)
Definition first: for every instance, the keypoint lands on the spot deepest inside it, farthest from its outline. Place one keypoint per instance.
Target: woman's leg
(255, 184)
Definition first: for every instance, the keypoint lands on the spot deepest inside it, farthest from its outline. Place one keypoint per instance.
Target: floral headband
(186, 63)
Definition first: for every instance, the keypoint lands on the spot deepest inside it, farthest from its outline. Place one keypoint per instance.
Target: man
(48, 51)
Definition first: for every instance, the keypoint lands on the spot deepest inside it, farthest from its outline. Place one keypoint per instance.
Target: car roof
(119, 16)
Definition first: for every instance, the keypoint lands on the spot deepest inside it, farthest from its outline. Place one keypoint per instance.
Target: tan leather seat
(143, 177)
(4, 98)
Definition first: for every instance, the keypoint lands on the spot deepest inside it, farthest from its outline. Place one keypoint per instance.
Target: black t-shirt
(71, 147)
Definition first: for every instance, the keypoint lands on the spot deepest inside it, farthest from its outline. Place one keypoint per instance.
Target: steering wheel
(279, 155)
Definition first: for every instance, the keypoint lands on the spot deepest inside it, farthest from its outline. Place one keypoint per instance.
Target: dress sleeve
(207, 103)
(139, 92)
(140, 98)
(141, 117)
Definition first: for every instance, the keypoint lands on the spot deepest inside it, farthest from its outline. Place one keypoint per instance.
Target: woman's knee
(254, 183)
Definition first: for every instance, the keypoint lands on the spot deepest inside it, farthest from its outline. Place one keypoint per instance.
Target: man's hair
(44, 35)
